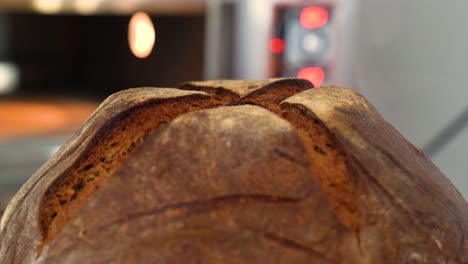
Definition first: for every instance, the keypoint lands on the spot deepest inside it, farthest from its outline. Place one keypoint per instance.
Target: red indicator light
(315, 75)
(276, 45)
(314, 17)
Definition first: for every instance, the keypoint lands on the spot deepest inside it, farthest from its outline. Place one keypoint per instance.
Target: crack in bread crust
(112, 146)
(117, 140)
(125, 133)
(329, 163)
(356, 163)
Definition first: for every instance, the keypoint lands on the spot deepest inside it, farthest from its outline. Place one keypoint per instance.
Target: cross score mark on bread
(241, 170)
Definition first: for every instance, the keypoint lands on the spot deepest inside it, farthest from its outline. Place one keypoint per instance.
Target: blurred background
(60, 58)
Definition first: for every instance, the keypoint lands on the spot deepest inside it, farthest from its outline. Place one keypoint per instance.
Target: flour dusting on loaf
(235, 171)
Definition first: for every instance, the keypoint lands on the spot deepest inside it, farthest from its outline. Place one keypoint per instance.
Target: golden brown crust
(243, 197)
(319, 178)
(393, 166)
(330, 164)
(24, 204)
(111, 107)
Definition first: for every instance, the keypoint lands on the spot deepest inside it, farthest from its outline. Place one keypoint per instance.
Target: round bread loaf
(236, 172)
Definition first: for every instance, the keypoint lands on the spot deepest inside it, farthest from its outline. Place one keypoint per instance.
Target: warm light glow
(315, 75)
(9, 77)
(27, 118)
(47, 6)
(141, 35)
(124, 6)
(314, 17)
(86, 7)
(276, 45)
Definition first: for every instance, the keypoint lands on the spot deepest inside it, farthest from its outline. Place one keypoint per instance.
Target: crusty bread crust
(237, 172)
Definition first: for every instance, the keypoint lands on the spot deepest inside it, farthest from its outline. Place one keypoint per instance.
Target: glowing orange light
(24, 118)
(86, 7)
(276, 45)
(315, 75)
(314, 17)
(141, 35)
(47, 6)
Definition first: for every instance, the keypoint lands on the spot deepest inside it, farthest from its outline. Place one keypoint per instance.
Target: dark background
(89, 56)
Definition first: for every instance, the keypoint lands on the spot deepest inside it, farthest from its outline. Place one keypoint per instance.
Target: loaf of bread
(236, 172)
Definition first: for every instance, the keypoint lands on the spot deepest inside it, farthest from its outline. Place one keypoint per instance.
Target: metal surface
(253, 26)
(218, 39)
(409, 59)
